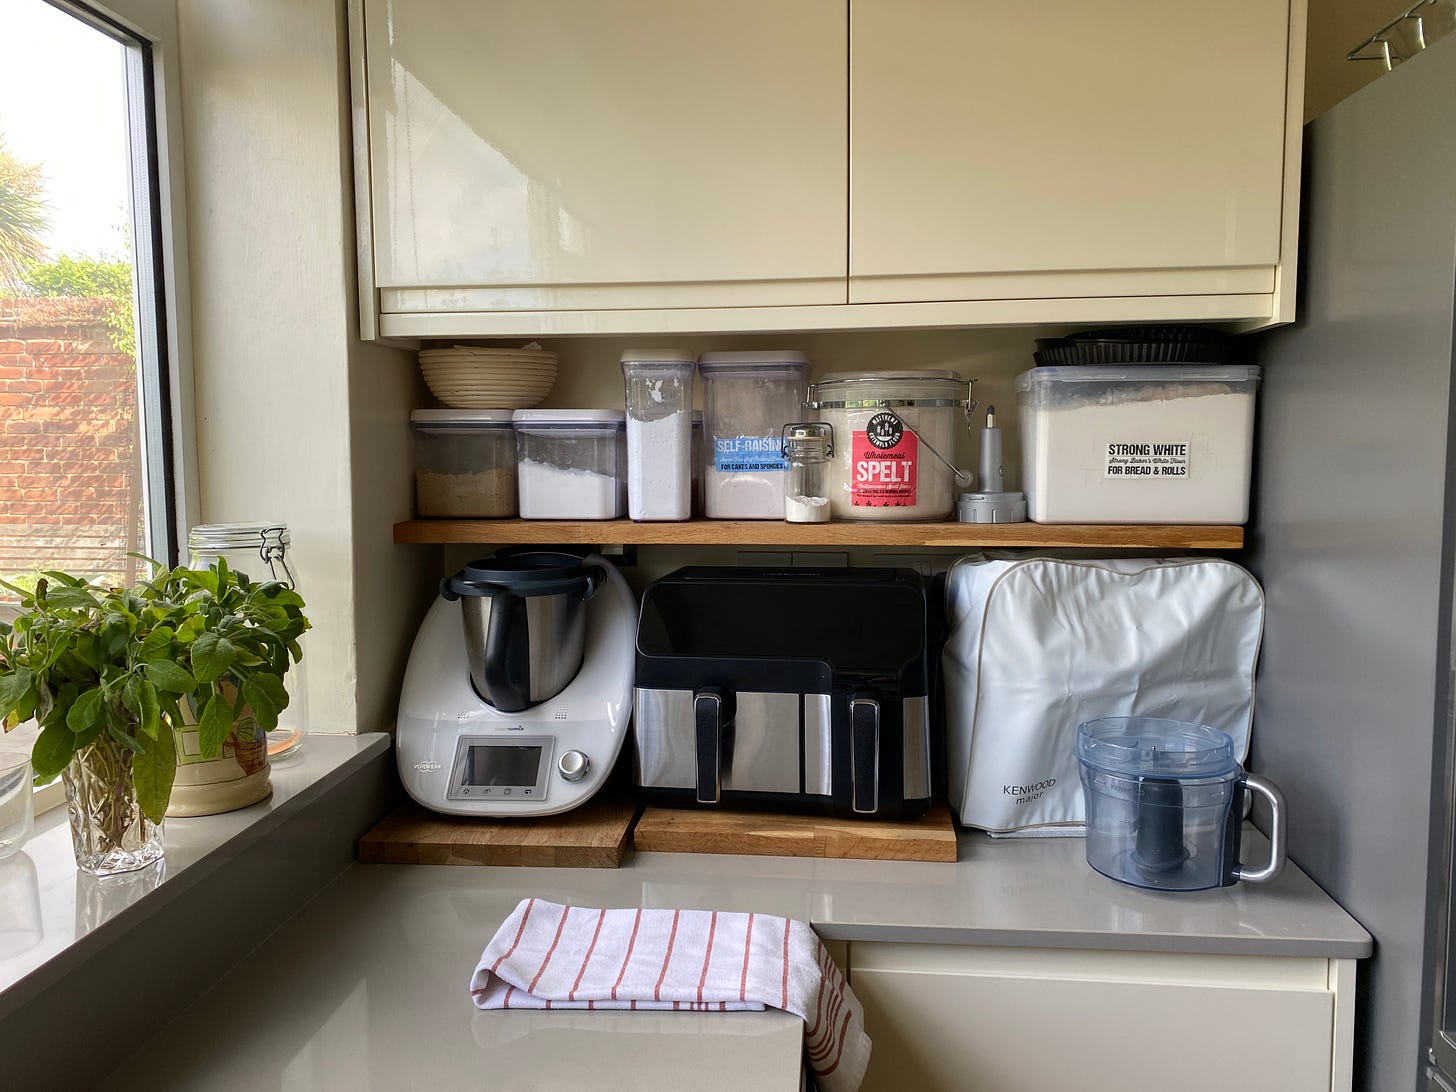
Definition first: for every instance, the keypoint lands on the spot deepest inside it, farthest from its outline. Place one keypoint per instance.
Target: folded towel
(548, 956)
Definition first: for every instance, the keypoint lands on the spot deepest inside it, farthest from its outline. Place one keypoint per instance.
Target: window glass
(83, 451)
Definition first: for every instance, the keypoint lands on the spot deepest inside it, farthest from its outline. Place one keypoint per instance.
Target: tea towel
(550, 956)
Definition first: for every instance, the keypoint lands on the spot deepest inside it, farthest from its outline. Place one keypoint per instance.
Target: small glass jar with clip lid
(261, 551)
(808, 447)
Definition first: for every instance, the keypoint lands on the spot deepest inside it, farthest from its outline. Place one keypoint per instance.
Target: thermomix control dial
(573, 765)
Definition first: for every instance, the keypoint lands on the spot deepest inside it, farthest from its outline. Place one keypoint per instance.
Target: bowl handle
(1277, 831)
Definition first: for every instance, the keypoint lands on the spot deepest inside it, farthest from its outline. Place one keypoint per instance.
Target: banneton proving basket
(1165, 804)
(895, 434)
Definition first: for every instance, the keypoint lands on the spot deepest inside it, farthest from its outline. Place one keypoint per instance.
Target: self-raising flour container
(748, 398)
(1141, 444)
(894, 439)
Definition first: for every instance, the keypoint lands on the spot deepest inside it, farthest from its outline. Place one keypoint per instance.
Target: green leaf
(126, 739)
(64, 598)
(52, 751)
(213, 726)
(87, 712)
(156, 644)
(212, 656)
(15, 688)
(263, 701)
(151, 710)
(173, 678)
(115, 634)
(154, 770)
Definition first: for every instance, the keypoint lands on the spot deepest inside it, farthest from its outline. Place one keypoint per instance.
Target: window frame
(160, 256)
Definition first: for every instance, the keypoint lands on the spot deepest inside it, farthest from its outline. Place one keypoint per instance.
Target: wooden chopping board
(931, 837)
(594, 835)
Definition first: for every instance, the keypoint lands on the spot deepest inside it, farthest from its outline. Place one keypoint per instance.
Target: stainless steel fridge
(1352, 535)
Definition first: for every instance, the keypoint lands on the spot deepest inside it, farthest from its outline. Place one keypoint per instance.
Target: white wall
(296, 420)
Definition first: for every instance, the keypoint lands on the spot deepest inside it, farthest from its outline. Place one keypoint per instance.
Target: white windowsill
(52, 916)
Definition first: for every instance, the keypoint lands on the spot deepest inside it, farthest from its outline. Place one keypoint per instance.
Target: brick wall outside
(70, 460)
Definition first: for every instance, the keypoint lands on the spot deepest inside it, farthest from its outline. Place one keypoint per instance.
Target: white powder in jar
(1140, 453)
(553, 492)
(484, 494)
(659, 467)
(802, 509)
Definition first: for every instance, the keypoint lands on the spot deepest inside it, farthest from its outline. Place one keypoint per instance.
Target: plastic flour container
(748, 398)
(570, 463)
(659, 393)
(1143, 444)
(465, 463)
(894, 437)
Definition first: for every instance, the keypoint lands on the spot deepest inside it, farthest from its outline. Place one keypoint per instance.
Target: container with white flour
(748, 398)
(659, 392)
(894, 439)
(570, 463)
(1142, 444)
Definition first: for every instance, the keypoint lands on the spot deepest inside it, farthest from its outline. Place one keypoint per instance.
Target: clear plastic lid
(1155, 747)
(785, 363)
(651, 360)
(551, 420)
(430, 419)
(1137, 373)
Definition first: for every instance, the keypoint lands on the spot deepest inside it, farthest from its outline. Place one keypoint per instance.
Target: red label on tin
(883, 464)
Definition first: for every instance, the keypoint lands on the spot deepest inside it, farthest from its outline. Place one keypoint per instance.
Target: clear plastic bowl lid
(1154, 747)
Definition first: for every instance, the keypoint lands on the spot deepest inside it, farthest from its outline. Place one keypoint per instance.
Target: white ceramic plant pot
(237, 778)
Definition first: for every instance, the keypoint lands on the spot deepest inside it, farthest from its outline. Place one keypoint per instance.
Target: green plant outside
(84, 276)
(88, 661)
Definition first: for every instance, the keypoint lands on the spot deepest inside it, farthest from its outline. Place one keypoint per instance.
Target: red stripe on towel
(666, 957)
(835, 1064)
(601, 917)
(560, 925)
(747, 951)
(519, 933)
(626, 959)
(818, 1050)
(708, 955)
(506, 1001)
(788, 924)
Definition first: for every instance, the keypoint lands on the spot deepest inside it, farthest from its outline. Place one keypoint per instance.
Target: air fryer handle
(710, 722)
(1277, 831)
(864, 754)
(507, 667)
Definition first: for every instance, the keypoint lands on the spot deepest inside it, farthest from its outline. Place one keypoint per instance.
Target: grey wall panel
(1351, 530)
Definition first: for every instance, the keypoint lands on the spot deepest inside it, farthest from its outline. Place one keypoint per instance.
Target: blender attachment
(525, 624)
(1165, 804)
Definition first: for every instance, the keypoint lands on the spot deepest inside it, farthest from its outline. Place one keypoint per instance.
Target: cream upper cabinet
(547, 167)
(559, 154)
(1120, 148)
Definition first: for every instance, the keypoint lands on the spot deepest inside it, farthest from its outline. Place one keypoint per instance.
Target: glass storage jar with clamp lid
(808, 447)
(261, 551)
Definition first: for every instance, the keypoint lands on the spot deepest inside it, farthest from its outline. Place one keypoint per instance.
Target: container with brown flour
(1145, 444)
(465, 463)
(894, 439)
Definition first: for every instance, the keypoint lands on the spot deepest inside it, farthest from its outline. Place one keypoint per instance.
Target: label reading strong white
(1144, 461)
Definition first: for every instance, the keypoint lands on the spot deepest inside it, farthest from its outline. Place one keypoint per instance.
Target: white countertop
(366, 988)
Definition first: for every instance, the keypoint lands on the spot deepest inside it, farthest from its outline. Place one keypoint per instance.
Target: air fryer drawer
(764, 754)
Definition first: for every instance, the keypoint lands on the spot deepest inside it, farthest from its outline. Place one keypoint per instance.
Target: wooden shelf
(720, 532)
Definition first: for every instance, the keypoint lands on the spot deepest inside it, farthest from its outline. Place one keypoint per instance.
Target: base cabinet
(990, 1019)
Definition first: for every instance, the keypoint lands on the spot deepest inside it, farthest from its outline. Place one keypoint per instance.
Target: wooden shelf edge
(715, 532)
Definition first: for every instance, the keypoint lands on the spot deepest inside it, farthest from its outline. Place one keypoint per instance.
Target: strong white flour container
(1140, 444)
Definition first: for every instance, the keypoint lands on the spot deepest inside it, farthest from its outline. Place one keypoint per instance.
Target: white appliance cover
(1036, 646)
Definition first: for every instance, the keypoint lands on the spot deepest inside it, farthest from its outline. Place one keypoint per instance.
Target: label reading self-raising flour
(1147, 460)
(883, 458)
(748, 454)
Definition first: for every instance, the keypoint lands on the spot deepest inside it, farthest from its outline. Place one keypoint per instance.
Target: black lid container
(796, 689)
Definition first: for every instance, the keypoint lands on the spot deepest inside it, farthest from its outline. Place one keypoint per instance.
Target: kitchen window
(92, 305)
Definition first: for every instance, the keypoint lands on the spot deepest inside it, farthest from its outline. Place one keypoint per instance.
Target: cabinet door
(1066, 148)
(979, 1020)
(556, 154)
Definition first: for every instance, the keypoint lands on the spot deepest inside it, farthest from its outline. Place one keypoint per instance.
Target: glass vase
(108, 829)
